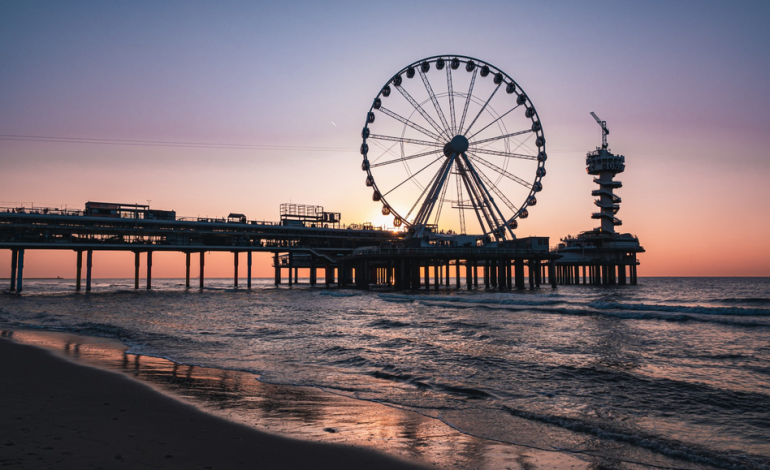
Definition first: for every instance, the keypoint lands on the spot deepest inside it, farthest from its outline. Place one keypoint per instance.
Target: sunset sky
(682, 86)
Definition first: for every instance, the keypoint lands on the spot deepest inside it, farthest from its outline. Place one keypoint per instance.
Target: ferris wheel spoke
(498, 225)
(477, 201)
(385, 150)
(409, 123)
(420, 109)
(433, 98)
(499, 170)
(467, 100)
(505, 136)
(498, 118)
(460, 202)
(410, 157)
(451, 98)
(505, 154)
(403, 140)
(440, 204)
(483, 108)
(423, 216)
(497, 191)
(423, 193)
(413, 175)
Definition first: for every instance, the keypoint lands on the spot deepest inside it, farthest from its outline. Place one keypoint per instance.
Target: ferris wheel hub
(459, 144)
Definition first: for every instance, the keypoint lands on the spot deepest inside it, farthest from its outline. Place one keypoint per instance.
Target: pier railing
(466, 251)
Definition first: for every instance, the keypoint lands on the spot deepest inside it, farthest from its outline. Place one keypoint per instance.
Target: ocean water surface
(673, 373)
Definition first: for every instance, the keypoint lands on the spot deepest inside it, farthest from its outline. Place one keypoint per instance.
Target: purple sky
(682, 85)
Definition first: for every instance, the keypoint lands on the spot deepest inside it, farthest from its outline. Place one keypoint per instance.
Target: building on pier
(601, 255)
(526, 261)
(308, 233)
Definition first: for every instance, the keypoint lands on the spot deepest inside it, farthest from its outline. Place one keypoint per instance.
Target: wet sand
(56, 414)
(65, 415)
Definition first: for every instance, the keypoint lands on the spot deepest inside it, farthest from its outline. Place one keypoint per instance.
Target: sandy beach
(57, 414)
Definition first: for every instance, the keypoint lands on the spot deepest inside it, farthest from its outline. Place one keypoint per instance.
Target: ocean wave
(620, 313)
(744, 300)
(385, 323)
(608, 305)
(472, 301)
(460, 390)
(670, 448)
(332, 293)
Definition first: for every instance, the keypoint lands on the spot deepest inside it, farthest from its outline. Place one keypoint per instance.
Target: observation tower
(604, 164)
(605, 256)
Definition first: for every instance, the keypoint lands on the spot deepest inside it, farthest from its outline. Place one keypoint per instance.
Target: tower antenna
(605, 131)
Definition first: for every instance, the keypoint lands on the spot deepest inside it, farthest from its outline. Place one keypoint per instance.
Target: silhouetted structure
(604, 256)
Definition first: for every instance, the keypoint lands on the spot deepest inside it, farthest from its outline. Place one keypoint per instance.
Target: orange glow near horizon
(267, 112)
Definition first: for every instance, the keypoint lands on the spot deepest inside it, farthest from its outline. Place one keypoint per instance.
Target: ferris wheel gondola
(423, 132)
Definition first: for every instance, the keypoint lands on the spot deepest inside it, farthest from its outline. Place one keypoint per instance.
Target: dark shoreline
(233, 402)
(65, 415)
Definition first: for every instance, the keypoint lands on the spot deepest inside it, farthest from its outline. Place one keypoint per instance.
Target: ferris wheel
(453, 132)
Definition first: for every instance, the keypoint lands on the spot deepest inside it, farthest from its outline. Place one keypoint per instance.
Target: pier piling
(136, 270)
(78, 269)
(14, 262)
(200, 277)
(20, 272)
(235, 269)
(149, 269)
(187, 271)
(277, 267)
(248, 269)
(89, 264)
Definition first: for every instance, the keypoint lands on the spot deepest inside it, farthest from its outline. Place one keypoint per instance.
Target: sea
(670, 373)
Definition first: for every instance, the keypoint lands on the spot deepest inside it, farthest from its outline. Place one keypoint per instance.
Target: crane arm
(605, 131)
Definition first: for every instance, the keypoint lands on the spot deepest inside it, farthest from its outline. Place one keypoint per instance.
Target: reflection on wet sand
(302, 412)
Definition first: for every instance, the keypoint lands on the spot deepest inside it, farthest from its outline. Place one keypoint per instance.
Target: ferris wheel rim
(395, 80)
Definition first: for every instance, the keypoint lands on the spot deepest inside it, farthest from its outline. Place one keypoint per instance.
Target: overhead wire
(160, 143)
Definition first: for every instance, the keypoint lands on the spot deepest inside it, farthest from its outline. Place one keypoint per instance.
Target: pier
(351, 257)
(457, 166)
(22, 230)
